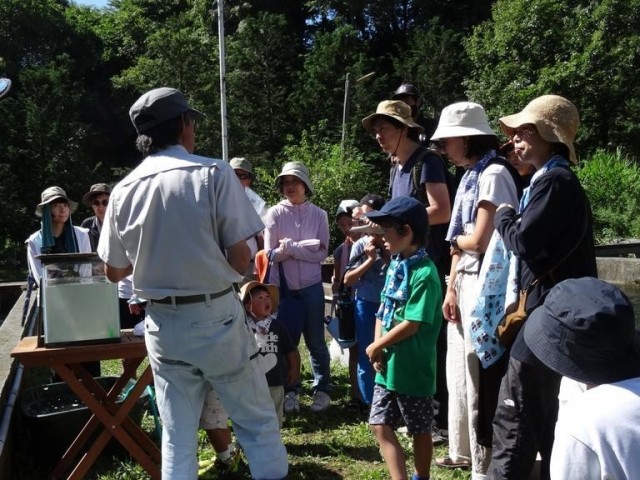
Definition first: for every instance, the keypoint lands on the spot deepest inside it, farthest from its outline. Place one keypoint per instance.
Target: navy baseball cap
(585, 330)
(406, 210)
(158, 106)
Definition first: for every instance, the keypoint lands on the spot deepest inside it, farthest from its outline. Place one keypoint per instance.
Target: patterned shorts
(213, 413)
(391, 408)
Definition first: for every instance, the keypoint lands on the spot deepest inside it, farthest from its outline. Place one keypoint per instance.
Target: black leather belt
(202, 297)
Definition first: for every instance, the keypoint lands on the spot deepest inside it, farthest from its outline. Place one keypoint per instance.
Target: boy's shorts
(213, 414)
(391, 408)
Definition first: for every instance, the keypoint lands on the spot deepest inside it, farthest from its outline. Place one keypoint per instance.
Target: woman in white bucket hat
(470, 143)
(297, 235)
(552, 238)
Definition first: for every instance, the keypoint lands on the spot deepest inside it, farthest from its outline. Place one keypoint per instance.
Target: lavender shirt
(299, 222)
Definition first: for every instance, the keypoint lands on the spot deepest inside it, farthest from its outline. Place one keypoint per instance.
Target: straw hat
(555, 118)
(395, 109)
(297, 169)
(95, 190)
(272, 289)
(462, 119)
(51, 194)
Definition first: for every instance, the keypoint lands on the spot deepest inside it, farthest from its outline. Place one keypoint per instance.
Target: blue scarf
(555, 161)
(464, 206)
(396, 287)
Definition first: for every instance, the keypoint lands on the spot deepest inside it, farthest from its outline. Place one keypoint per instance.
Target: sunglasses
(97, 203)
(243, 176)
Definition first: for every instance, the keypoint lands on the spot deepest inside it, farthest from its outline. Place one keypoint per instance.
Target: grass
(331, 445)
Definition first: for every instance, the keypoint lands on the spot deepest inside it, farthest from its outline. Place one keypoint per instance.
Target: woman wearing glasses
(97, 198)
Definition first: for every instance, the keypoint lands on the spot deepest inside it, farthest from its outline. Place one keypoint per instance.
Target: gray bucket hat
(158, 106)
(95, 190)
(297, 169)
(241, 163)
(51, 194)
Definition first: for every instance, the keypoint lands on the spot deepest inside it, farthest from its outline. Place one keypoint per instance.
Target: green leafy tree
(587, 51)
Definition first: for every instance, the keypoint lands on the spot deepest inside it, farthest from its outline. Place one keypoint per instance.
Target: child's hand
(374, 352)
(370, 250)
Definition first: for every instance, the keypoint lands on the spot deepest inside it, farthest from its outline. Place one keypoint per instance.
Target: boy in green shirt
(403, 352)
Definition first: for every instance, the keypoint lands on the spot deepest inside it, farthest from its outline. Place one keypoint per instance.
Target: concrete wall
(619, 270)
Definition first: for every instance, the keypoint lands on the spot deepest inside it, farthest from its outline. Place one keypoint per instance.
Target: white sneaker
(291, 403)
(321, 401)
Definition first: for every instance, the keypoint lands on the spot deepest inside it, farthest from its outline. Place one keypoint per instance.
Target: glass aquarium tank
(78, 304)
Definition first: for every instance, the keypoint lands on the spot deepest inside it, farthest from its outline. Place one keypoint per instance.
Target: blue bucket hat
(585, 330)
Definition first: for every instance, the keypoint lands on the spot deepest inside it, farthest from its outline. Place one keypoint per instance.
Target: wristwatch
(454, 242)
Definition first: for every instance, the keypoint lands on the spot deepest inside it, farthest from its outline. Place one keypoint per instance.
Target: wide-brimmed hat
(406, 210)
(555, 118)
(51, 194)
(272, 289)
(241, 163)
(395, 109)
(462, 119)
(95, 190)
(158, 106)
(585, 330)
(297, 169)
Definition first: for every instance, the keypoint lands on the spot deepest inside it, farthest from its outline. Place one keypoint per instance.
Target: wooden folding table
(112, 418)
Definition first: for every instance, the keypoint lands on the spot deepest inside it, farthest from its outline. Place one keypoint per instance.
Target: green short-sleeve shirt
(410, 365)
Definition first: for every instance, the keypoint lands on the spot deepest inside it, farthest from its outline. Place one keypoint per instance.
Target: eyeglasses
(524, 132)
(97, 203)
(243, 176)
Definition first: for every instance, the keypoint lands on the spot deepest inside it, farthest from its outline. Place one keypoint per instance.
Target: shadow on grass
(311, 470)
(323, 450)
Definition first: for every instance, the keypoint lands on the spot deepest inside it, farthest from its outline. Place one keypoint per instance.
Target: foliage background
(76, 70)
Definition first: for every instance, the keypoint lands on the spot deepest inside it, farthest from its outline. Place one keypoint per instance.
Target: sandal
(447, 462)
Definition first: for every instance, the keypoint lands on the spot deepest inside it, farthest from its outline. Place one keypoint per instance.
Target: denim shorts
(391, 408)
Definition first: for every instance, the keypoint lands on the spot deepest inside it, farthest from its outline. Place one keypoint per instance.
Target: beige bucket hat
(555, 118)
(395, 109)
(297, 169)
(462, 119)
(272, 289)
(51, 194)
(95, 190)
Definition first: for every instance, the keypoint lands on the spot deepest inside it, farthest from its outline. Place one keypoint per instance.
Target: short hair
(161, 136)
(420, 237)
(479, 145)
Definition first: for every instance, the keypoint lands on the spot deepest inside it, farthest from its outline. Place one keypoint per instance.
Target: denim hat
(158, 106)
(95, 190)
(585, 330)
(51, 194)
(406, 210)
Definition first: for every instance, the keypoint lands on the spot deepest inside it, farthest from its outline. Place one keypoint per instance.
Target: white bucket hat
(555, 118)
(462, 119)
(51, 194)
(297, 169)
